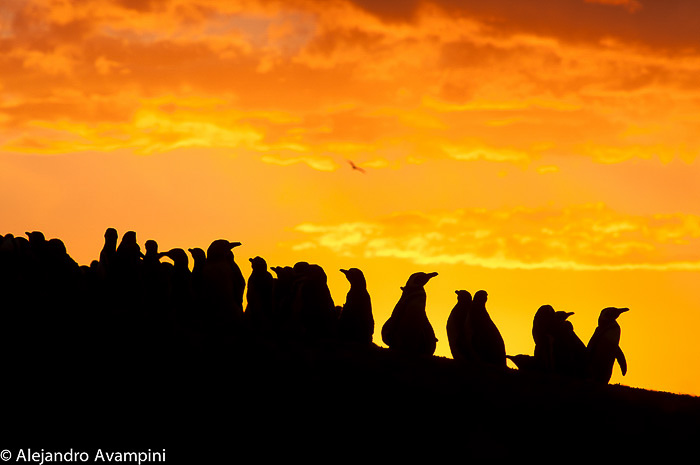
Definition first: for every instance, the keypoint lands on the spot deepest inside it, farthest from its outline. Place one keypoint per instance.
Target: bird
(455, 326)
(222, 290)
(109, 249)
(259, 295)
(408, 329)
(356, 322)
(604, 346)
(568, 351)
(313, 306)
(356, 168)
(542, 335)
(485, 342)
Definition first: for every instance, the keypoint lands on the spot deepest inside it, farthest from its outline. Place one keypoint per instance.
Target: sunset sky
(545, 150)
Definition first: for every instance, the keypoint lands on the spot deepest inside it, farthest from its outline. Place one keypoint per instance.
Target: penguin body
(356, 322)
(542, 335)
(408, 329)
(456, 325)
(483, 338)
(568, 351)
(604, 347)
(260, 296)
(222, 290)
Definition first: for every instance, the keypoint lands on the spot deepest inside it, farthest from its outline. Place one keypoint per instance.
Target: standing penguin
(223, 286)
(408, 328)
(604, 347)
(260, 296)
(542, 335)
(356, 322)
(568, 351)
(455, 326)
(483, 338)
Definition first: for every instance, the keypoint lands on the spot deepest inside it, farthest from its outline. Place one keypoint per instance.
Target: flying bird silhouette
(355, 167)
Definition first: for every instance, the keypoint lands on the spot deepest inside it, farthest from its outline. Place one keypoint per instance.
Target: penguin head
(129, 238)
(151, 247)
(463, 296)
(111, 234)
(610, 314)
(258, 264)
(355, 277)
(221, 248)
(420, 279)
(283, 272)
(562, 316)
(56, 247)
(197, 254)
(480, 297)
(178, 256)
(36, 237)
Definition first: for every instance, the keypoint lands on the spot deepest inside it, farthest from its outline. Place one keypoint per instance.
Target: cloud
(387, 84)
(630, 5)
(582, 237)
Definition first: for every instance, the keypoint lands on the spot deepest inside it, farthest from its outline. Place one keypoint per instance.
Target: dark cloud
(657, 23)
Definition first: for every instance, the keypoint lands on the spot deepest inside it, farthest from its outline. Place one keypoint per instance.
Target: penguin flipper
(621, 360)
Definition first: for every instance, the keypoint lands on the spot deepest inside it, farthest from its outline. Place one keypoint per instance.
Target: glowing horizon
(546, 152)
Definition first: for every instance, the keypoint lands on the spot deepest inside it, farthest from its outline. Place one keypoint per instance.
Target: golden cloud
(444, 82)
(583, 237)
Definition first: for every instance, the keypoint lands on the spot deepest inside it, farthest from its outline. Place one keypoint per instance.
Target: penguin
(109, 250)
(283, 295)
(313, 305)
(455, 326)
(408, 329)
(356, 322)
(542, 335)
(200, 258)
(568, 351)
(259, 295)
(604, 347)
(223, 279)
(482, 336)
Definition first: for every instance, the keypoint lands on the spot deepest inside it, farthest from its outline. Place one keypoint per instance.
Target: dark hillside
(134, 354)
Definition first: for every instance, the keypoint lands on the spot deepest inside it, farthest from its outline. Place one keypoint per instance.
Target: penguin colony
(151, 303)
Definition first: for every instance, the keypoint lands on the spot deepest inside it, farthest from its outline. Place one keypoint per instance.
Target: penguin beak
(234, 244)
(432, 275)
(622, 310)
(344, 271)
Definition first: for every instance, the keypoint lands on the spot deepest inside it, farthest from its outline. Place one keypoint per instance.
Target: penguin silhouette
(283, 295)
(109, 250)
(408, 329)
(604, 346)
(356, 322)
(542, 334)
(260, 296)
(222, 282)
(455, 326)
(313, 305)
(483, 338)
(568, 351)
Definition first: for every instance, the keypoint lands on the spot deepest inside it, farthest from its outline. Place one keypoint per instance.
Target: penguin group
(559, 351)
(150, 304)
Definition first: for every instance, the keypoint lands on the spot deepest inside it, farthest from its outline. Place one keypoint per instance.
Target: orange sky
(545, 151)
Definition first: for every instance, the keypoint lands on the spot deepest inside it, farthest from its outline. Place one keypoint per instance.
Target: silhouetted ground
(331, 402)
